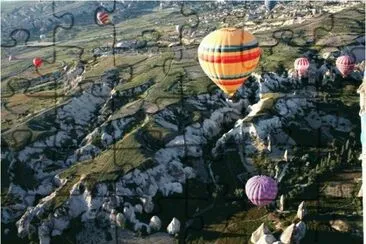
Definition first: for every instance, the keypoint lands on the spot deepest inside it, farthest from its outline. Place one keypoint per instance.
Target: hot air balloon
(261, 190)
(345, 65)
(228, 56)
(42, 37)
(103, 18)
(270, 4)
(37, 62)
(301, 66)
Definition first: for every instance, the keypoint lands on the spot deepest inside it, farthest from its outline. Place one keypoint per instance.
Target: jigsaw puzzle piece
(18, 137)
(17, 35)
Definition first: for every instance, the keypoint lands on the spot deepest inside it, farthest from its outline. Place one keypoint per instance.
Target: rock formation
(259, 232)
(174, 227)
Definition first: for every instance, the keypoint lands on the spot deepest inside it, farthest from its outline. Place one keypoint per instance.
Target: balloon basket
(229, 100)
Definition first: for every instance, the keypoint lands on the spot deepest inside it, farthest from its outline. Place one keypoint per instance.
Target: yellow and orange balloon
(228, 56)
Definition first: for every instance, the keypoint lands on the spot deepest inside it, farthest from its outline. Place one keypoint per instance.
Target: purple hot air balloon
(301, 66)
(261, 190)
(345, 64)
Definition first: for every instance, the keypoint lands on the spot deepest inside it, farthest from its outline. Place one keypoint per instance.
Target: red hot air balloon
(261, 190)
(345, 65)
(301, 66)
(37, 62)
(103, 18)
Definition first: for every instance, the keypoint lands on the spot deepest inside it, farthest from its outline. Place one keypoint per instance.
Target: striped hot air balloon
(301, 66)
(228, 56)
(103, 18)
(345, 64)
(261, 190)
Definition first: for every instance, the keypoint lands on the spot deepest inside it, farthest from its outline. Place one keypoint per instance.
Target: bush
(239, 193)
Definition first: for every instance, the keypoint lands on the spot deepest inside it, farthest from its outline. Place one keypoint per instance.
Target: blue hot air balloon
(270, 4)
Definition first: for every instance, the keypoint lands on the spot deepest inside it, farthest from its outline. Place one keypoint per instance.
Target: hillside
(104, 143)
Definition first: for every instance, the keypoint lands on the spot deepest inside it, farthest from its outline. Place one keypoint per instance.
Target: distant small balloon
(103, 18)
(37, 62)
(301, 65)
(345, 64)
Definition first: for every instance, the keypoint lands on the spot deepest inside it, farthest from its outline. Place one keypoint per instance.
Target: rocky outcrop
(174, 226)
(340, 225)
(282, 102)
(287, 236)
(301, 211)
(259, 232)
(155, 223)
(49, 150)
(266, 239)
(166, 177)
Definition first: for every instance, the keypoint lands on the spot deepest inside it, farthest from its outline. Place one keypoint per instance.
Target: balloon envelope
(345, 65)
(301, 65)
(37, 62)
(261, 190)
(228, 56)
(103, 18)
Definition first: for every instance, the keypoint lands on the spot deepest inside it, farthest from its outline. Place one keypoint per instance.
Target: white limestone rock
(259, 232)
(138, 208)
(129, 213)
(170, 188)
(120, 220)
(301, 211)
(266, 239)
(113, 216)
(174, 226)
(155, 223)
(147, 204)
(288, 234)
(282, 203)
(189, 172)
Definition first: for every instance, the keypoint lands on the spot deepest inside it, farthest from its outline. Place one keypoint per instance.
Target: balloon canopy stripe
(230, 77)
(224, 49)
(103, 17)
(231, 59)
(233, 82)
(216, 70)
